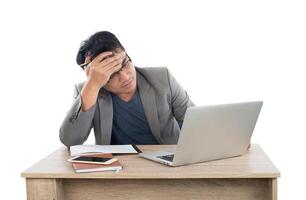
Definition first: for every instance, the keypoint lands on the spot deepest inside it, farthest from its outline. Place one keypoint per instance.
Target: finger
(110, 59)
(110, 68)
(114, 60)
(109, 64)
(114, 69)
(102, 56)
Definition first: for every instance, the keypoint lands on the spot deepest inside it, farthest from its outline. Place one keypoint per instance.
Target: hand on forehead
(105, 55)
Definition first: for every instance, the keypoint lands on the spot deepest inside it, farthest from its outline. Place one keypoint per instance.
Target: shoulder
(154, 75)
(152, 71)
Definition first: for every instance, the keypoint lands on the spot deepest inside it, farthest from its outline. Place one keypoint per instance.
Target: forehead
(119, 52)
(115, 52)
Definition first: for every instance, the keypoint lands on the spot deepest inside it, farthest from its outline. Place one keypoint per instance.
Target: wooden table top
(254, 164)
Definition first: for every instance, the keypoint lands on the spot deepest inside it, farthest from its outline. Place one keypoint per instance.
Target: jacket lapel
(106, 116)
(147, 95)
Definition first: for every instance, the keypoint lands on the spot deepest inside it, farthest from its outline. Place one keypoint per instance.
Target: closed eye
(125, 62)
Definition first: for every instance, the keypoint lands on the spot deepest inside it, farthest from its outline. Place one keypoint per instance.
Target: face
(123, 82)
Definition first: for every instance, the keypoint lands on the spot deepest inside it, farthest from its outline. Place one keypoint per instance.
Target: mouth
(128, 83)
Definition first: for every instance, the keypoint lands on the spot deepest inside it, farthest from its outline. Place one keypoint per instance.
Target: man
(122, 103)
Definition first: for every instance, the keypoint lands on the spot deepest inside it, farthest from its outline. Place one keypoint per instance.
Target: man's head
(122, 82)
(97, 43)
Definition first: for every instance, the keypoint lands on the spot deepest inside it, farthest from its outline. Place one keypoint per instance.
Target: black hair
(97, 43)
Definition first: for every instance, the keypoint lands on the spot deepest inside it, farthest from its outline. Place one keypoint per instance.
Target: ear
(87, 59)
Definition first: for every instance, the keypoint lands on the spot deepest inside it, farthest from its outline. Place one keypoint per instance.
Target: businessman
(123, 104)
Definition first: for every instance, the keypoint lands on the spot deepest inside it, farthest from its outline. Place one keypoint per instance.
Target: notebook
(83, 168)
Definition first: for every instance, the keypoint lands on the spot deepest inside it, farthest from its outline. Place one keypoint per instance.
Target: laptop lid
(216, 132)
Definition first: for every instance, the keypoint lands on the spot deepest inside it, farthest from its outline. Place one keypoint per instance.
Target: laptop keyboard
(167, 157)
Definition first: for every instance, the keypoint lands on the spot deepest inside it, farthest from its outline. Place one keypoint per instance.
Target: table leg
(44, 189)
(273, 188)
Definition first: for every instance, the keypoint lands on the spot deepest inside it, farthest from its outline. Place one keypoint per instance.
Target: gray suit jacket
(164, 102)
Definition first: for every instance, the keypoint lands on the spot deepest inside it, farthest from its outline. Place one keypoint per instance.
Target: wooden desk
(252, 176)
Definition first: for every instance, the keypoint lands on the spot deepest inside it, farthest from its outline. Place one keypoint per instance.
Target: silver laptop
(211, 133)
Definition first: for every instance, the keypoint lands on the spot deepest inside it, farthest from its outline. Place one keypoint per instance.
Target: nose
(123, 76)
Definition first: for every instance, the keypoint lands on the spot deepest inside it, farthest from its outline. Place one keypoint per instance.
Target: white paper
(77, 150)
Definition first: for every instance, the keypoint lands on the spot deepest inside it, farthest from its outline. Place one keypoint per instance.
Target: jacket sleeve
(179, 99)
(77, 124)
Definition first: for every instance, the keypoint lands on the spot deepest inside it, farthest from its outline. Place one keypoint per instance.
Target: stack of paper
(90, 149)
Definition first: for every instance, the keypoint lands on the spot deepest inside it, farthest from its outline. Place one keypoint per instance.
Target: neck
(127, 96)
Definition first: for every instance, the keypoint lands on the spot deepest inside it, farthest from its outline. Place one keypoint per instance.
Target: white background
(220, 52)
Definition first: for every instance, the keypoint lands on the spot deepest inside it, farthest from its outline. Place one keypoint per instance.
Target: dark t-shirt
(130, 125)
